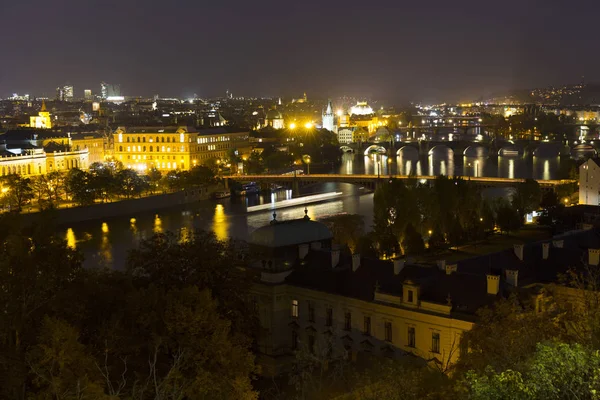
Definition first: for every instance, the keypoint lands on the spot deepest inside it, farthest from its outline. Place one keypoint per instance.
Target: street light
(306, 159)
(293, 126)
(308, 125)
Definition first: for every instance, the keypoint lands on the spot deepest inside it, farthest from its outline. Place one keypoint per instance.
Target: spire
(43, 106)
(329, 107)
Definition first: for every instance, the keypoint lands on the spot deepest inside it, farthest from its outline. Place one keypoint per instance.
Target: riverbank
(126, 207)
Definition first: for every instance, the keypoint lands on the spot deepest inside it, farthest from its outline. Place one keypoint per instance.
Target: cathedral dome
(274, 114)
(290, 233)
(361, 108)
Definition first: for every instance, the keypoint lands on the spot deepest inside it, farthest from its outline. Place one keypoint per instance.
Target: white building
(328, 118)
(589, 183)
(345, 135)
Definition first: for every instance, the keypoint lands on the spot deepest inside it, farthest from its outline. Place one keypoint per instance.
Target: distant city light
(308, 125)
(293, 125)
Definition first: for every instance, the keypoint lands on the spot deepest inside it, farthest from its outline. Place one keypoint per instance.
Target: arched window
(144, 139)
(162, 139)
(151, 149)
(144, 148)
(168, 139)
(138, 138)
(157, 139)
(120, 148)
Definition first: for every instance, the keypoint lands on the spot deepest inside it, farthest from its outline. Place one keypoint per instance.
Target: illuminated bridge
(371, 181)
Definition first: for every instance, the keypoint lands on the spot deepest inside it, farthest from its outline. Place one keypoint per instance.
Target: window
(411, 336)
(120, 148)
(311, 312)
(329, 317)
(294, 340)
(435, 342)
(295, 308)
(388, 332)
(410, 296)
(348, 321)
(367, 326)
(151, 149)
(311, 344)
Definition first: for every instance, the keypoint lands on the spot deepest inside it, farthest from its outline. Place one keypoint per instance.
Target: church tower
(328, 118)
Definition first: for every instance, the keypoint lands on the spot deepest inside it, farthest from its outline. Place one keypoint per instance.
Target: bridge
(371, 181)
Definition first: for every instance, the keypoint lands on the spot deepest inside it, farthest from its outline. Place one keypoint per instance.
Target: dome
(290, 233)
(361, 108)
(274, 114)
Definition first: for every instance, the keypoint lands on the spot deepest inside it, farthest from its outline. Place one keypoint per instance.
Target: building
(345, 135)
(108, 90)
(42, 120)
(94, 142)
(171, 148)
(274, 119)
(589, 182)
(312, 297)
(329, 118)
(87, 95)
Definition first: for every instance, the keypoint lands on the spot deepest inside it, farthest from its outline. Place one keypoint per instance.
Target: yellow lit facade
(94, 143)
(172, 148)
(38, 162)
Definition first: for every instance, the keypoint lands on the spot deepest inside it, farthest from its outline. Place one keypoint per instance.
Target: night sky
(435, 50)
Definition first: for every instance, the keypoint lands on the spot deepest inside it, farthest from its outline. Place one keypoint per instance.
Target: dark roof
(289, 233)
(221, 129)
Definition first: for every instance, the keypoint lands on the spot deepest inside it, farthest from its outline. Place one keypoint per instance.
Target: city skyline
(399, 53)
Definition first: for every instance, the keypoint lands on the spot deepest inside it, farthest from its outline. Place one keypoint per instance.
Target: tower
(42, 120)
(328, 118)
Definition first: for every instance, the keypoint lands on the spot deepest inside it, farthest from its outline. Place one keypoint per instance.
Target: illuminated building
(64, 93)
(304, 99)
(108, 90)
(87, 95)
(93, 142)
(42, 120)
(329, 118)
(274, 119)
(310, 296)
(589, 183)
(170, 148)
(344, 135)
(30, 152)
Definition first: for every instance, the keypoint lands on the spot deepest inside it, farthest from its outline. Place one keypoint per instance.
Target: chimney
(559, 244)
(303, 251)
(512, 277)
(441, 264)
(398, 266)
(451, 268)
(355, 262)
(493, 284)
(519, 251)
(335, 258)
(594, 257)
(315, 245)
(545, 250)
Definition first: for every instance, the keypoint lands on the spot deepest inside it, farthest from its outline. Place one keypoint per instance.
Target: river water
(106, 243)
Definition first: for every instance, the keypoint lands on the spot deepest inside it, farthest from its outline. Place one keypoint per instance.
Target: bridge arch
(547, 150)
(475, 151)
(375, 149)
(347, 149)
(407, 151)
(583, 151)
(440, 147)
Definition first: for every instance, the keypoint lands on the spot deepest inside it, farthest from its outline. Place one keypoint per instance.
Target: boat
(222, 195)
(315, 198)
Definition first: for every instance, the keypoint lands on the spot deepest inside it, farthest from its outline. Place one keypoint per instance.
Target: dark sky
(397, 50)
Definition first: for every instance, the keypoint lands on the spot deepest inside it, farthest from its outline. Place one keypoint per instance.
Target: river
(106, 243)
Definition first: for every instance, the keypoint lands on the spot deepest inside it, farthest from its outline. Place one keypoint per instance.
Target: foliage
(412, 242)
(347, 229)
(19, 191)
(507, 217)
(555, 371)
(527, 197)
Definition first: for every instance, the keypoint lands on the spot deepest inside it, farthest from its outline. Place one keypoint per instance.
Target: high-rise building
(68, 92)
(328, 118)
(87, 95)
(60, 95)
(103, 90)
(110, 90)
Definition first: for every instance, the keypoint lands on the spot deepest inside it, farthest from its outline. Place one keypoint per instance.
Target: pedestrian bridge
(371, 181)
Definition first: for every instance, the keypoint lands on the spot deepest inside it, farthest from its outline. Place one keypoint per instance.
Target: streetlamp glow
(308, 125)
(293, 125)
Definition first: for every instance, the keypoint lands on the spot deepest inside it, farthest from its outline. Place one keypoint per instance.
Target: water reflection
(157, 224)
(220, 223)
(70, 237)
(106, 246)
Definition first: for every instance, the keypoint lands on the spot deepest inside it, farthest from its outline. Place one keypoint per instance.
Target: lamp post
(306, 159)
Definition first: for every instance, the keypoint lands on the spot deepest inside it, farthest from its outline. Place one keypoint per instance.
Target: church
(42, 120)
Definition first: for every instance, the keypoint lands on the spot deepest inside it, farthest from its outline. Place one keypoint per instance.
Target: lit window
(295, 308)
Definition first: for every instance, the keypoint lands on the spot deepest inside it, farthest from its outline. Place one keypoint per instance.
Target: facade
(171, 148)
(38, 161)
(42, 120)
(329, 118)
(93, 142)
(344, 135)
(87, 95)
(589, 183)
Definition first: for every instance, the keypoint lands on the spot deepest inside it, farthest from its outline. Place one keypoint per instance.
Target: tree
(130, 183)
(527, 197)
(60, 365)
(508, 219)
(78, 186)
(347, 229)
(154, 178)
(200, 175)
(555, 371)
(19, 191)
(412, 241)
